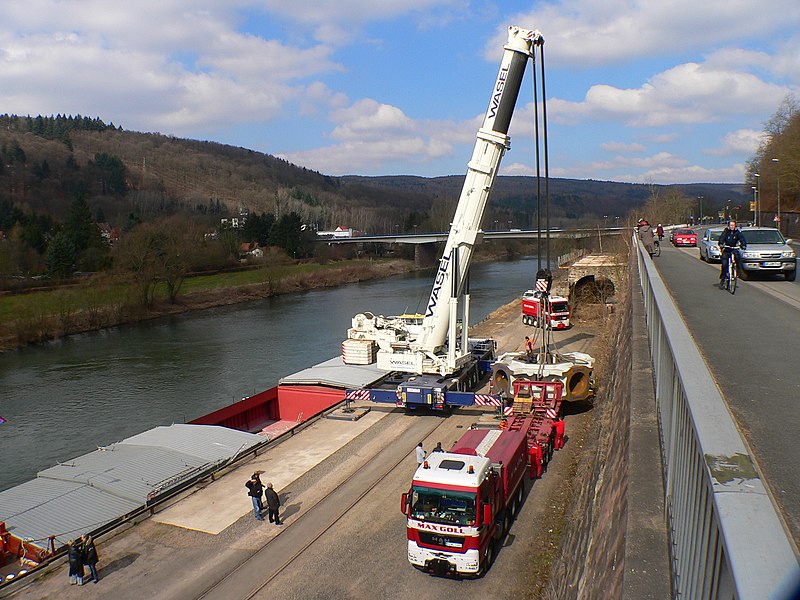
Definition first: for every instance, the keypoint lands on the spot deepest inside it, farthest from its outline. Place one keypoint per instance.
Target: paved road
(751, 342)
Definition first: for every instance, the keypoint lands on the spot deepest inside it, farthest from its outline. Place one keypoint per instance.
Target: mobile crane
(439, 363)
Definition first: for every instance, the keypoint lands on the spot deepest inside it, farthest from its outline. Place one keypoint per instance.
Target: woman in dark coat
(90, 556)
(75, 555)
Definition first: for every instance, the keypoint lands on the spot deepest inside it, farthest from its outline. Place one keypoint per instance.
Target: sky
(667, 91)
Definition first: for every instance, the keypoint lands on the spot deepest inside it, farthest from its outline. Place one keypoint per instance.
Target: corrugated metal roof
(42, 507)
(335, 373)
(126, 470)
(210, 442)
(85, 493)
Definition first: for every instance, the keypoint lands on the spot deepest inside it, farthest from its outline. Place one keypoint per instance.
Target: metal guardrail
(726, 537)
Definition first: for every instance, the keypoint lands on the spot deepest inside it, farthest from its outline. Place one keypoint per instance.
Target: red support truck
(558, 315)
(462, 502)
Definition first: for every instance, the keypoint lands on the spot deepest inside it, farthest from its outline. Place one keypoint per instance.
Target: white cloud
(368, 119)
(589, 33)
(737, 142)
(338, 21)
(687, 93)
(622, 147)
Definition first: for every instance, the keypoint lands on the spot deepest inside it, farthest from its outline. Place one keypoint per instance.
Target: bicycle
(656, 248)
(729, 281)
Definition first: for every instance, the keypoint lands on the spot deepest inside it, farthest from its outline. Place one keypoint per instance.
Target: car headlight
(788, 254)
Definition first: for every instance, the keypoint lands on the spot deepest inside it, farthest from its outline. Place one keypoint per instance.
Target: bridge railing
(726, 537)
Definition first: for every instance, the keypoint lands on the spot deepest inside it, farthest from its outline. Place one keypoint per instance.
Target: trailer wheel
(520, 497)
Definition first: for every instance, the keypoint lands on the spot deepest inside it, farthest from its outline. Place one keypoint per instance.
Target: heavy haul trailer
(434, 392)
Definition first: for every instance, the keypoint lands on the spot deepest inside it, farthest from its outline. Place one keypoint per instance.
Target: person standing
(529, 348)
(438, 447)
(273, 504)
(256, 491)
(646, 235)
(90, 556)
(421, 454)
(75, 556)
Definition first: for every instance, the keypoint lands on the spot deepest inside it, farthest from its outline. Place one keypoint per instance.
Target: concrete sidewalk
(217, 506)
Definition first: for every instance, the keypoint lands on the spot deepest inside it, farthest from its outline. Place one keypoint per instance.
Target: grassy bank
(105, 301)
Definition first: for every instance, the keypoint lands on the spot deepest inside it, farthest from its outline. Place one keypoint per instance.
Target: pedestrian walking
(421, 454)
(75, 557)
(646, 235)
(256, 491)
(273, 504)
(90, 555)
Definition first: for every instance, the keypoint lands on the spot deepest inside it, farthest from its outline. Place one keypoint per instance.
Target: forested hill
(48, 161)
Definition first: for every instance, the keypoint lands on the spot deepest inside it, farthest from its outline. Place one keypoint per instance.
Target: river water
(65, 398)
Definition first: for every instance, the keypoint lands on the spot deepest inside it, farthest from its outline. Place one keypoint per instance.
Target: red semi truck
(557, 316)
(462, 502)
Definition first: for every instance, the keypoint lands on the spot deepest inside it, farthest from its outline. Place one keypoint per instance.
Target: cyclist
(646, 235)
(730, 239)
(660, 232)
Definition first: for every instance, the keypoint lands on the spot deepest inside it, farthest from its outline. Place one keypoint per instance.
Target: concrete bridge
(425, 252)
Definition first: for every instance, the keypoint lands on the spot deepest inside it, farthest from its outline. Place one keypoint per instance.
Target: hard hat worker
(529, 348)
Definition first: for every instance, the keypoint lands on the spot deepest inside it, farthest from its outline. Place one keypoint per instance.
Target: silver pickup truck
(767, 252)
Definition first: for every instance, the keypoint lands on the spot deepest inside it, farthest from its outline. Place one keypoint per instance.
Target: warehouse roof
(89, 491)
(335, 373)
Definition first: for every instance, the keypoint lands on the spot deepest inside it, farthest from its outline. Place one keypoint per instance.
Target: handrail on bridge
(726, 537)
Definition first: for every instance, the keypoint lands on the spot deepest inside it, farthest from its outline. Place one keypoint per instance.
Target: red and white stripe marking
(487, 400)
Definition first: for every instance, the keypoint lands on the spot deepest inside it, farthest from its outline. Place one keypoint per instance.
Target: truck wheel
(488, 559)
(520, 497)
(535, 322)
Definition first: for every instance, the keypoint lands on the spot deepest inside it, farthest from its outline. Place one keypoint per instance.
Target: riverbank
(103, 302)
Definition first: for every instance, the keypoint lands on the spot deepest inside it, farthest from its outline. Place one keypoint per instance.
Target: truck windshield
(559, 307)
(443, 506)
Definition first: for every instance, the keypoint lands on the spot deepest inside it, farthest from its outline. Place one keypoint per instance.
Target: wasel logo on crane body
(441, 275)
(498, 91)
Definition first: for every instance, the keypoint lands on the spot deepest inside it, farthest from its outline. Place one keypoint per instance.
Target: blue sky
(673, 91)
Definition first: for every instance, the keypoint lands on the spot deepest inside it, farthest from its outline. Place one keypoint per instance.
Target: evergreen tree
(60, 258)
(80, 228)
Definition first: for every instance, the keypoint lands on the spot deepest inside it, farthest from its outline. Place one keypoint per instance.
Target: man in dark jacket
(75, 556)
(731, 238)
(90, 555)
(273, 504)
(256, 491)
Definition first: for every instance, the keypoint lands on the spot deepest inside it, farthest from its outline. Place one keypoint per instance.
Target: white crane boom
(489, 149)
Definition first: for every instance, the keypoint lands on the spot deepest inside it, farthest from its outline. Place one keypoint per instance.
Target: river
(65, 398)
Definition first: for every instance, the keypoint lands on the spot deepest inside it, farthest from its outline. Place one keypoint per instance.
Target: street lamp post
(758, 199)
(777, 163)
(701, 209)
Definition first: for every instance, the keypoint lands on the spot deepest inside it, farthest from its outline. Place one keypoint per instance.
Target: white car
(709, 245)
